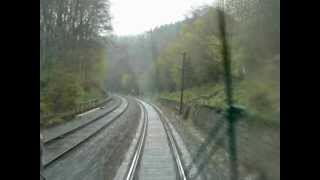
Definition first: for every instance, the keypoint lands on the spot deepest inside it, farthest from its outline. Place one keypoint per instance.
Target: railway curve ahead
(156, 152)
(132, 140)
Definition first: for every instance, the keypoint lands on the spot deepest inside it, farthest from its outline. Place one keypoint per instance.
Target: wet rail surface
(154, 152)
(60, 147)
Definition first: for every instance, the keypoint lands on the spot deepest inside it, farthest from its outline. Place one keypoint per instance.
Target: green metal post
(231, 111)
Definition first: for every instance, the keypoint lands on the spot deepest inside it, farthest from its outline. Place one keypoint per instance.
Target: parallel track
(77, 145)
(52, 140)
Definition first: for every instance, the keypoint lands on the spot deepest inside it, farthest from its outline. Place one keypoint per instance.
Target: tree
(72, 39)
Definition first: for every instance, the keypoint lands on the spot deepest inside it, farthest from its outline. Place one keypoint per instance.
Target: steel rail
(51, 140)
(139, 147)
(172, 143)
(67, 151)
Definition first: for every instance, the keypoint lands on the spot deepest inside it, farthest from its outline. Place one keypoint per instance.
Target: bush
(62, 93)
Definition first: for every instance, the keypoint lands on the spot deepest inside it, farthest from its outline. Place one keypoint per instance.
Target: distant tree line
(133, 58)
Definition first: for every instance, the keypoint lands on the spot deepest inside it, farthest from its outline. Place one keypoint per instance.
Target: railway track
(58, 148)
(173, 145)
(79, 125)
(148, 157)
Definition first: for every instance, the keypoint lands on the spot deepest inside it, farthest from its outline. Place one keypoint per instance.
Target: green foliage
(137, 56)
(73, 62)
(62, 93)
(208, 94)
(260, 100)
(202, 43)
(152, 61)
(253, 42)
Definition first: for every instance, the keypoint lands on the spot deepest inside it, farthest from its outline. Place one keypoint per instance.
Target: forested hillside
(253, 36)
(79, 58)
(73, 34)
(132, 59)
(193, 84)
(255, 53)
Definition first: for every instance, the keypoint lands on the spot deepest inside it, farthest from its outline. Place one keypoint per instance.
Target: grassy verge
(260, 99)
(50, 118)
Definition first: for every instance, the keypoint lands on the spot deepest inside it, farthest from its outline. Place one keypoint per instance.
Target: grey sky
(132, 17)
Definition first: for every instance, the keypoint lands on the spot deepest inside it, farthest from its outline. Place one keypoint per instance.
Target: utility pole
(182, 81)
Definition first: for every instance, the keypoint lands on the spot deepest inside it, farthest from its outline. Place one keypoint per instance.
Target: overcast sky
(132, 17)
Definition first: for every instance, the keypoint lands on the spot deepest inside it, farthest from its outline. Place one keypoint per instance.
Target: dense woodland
(79, 58)
(73, 34)
(150, 63)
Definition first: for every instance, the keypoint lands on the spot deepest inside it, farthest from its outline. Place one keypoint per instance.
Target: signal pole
(182, 81)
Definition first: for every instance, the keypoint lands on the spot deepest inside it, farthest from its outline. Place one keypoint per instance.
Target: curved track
(155, 154)
(173, 144)
(57, 148)
(77, 125)
(139, 147)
